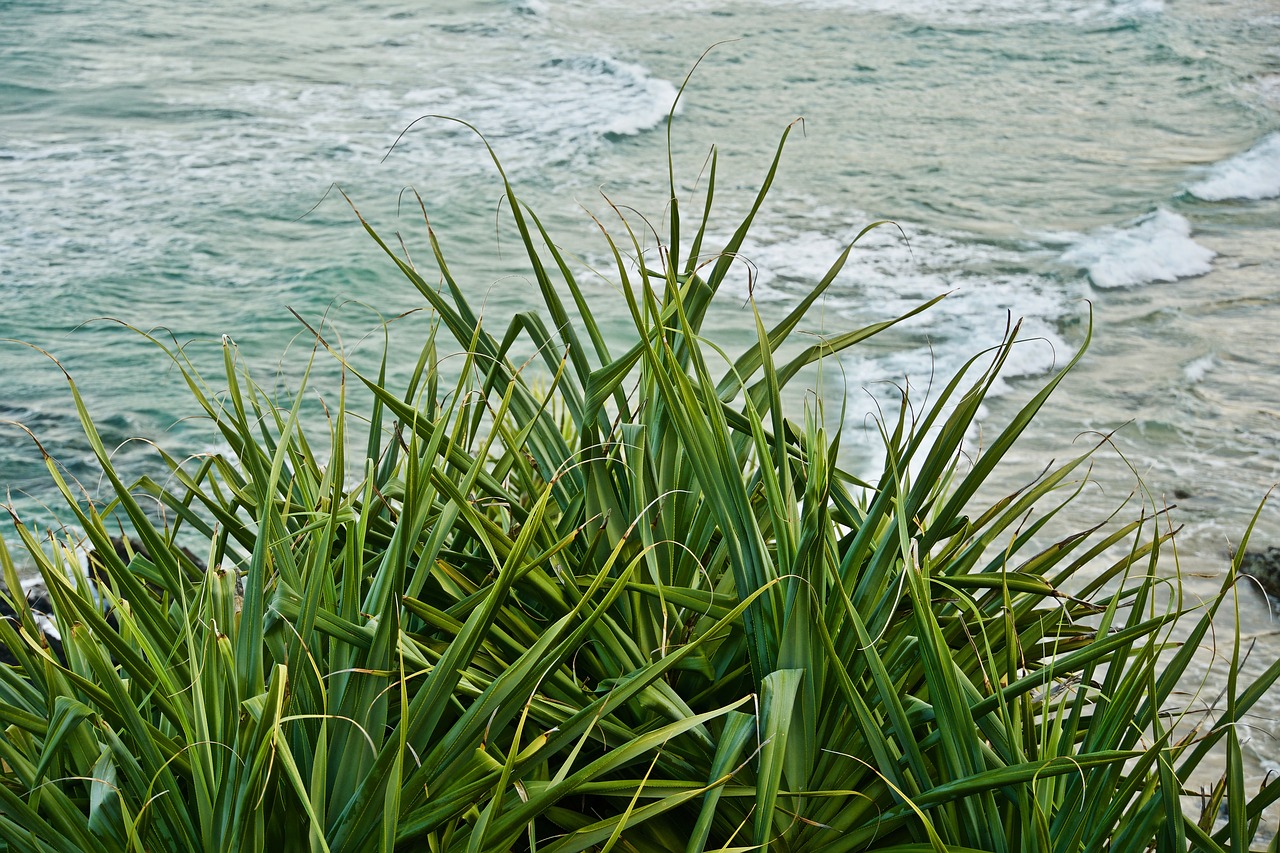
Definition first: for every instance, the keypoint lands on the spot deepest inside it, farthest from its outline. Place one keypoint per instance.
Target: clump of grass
(637, 606)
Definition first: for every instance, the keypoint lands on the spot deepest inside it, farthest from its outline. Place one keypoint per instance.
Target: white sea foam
(266, 148)
(886, 277)
(987, 286)
(566, 105)
(967, 13)
(1196, 370)
(1267, 86)
(978, 12)
(1156, 247)
(1254, 174)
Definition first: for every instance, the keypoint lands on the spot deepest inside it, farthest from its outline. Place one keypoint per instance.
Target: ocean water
(171, 167)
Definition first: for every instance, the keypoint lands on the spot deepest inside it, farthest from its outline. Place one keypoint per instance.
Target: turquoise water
(169, 166)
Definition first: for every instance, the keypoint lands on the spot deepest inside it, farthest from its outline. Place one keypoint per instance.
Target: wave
(1253, 174)
(567, 106)
(887, 276)
(987, 286)
(1155, 247)
(621, 98)
(979, 12)
(1194, 371)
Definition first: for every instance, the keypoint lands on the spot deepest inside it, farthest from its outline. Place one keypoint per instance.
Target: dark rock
(40, 602)
(41, 606)
(1264, 567)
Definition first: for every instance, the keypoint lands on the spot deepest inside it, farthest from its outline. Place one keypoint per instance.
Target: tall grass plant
(627, 601)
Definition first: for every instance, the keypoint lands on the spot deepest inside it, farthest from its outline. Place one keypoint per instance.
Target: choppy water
(157, 160)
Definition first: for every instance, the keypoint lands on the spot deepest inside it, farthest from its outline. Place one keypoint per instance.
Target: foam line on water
(980, 12)
(886, 277)
(1155, 247)
(1253, 174)
(988, 285)
(288, 140)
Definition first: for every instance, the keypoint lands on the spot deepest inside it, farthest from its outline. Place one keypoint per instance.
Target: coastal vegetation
(616, 595)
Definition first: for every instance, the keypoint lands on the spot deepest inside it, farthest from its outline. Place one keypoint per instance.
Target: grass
(627, 602)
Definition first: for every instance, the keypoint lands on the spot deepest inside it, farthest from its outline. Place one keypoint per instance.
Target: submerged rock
(40, 603)
(1264, 567)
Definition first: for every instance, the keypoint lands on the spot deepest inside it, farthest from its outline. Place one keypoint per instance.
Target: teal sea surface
(172, 167)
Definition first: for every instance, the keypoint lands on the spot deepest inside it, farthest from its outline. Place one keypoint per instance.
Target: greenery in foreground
(636, 606)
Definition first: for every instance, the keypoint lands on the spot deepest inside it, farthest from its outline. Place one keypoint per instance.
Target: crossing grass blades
(635, 606)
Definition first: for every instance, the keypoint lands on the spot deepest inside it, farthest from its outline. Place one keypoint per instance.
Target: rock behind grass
(40, 602)
(1264, 567)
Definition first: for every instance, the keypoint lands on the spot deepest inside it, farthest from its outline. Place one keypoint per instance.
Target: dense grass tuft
(633, 606)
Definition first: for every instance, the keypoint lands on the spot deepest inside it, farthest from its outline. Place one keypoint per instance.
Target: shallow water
(171, 168)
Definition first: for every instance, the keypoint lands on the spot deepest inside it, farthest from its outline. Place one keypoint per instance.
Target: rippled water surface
(170, 166)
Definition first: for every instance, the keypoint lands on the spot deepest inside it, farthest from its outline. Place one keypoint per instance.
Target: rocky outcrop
(41, 607)
(1264, 567)
(40, 603)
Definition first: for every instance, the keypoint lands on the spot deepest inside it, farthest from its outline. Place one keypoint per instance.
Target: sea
(183, 173)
